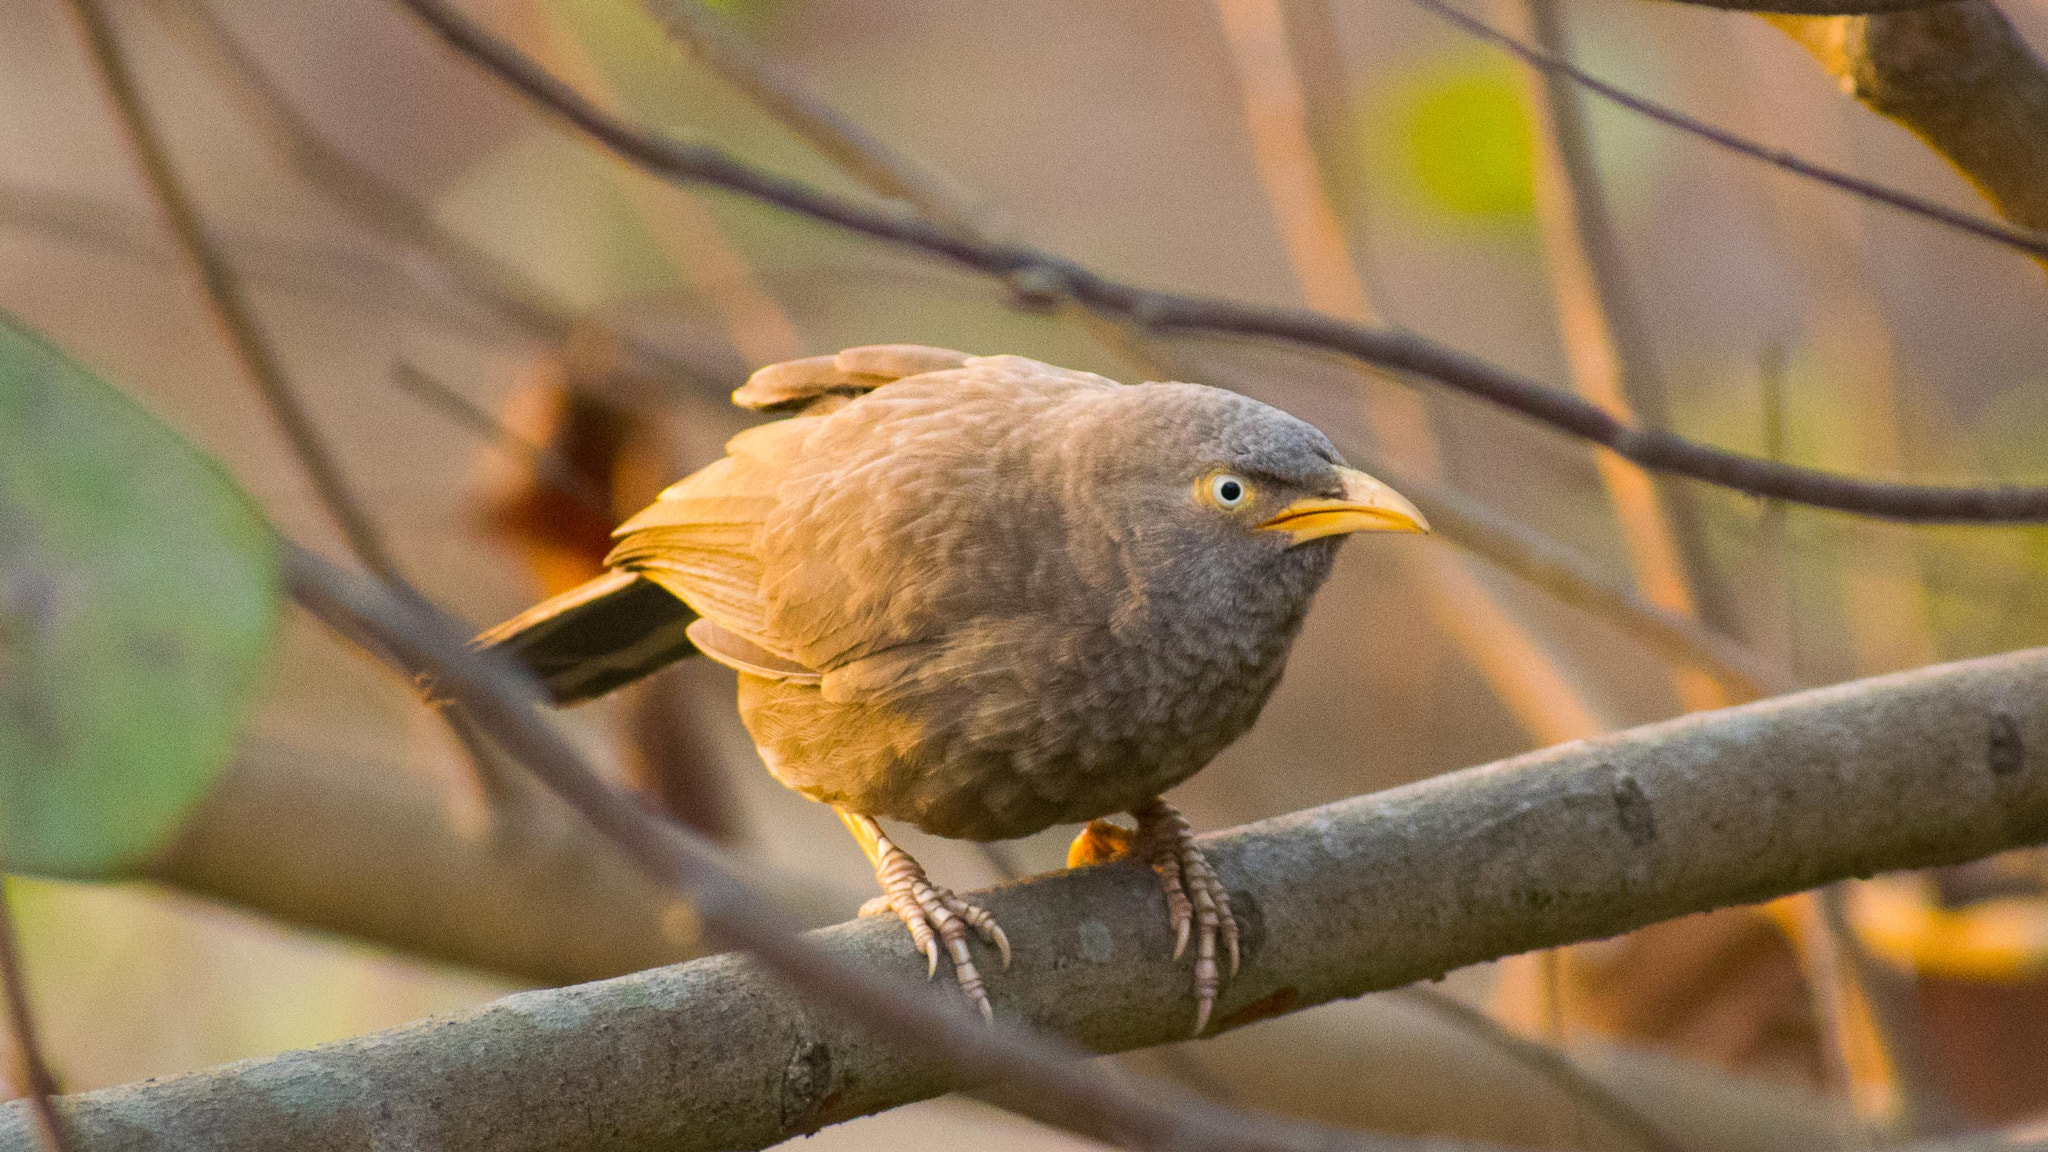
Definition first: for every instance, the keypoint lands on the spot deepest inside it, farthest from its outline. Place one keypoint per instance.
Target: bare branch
(1552, 1065)
(1607, 344)
(512, 295)
(1958, 76)
(1593, 838)
(1386, 348)
(370, 850)
(1576, 579)
(224, 292)
(2029, 241)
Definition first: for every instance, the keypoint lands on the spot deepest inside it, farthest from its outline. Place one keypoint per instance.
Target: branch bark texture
(1588, 839)
(1956, 75)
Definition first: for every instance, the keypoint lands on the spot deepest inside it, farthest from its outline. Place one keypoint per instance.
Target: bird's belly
(999, 759)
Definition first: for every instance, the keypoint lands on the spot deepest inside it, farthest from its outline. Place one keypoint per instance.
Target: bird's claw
(1197, 904)
(936, 919)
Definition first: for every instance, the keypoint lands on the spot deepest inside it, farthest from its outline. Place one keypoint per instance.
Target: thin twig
(2025, 240)
(862, 155)
(1886, 996)
(1498, 539)
(1549, 1063)
(547, 464)
(1387, 348)
(1524, 675)
(350, 185)
(515, 297)
(39, 1085)
(1576, 579)
(685, 232)
(1607, 346)
(331, 272)
(238, 323)
(223, 290)
(1061, 1090)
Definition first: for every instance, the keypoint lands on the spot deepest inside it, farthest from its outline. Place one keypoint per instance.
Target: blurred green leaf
(1464, 139)
(554, 207)
(138, 596)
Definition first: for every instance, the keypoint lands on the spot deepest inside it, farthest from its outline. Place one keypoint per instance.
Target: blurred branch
(510, 293)
(1506, 543)
(1958, 76)
(244, 334)
(685, 233)
(1156, 310)
(37, 1084)
(231, 311)
(1554, 1066)
(1816, 7)
(374, 852)
(351, 186)
(334, 272)
(1578, 580)
(841, 140)
(1929, 767)
(2028, 240)
(1524, 676)
(1607, 345)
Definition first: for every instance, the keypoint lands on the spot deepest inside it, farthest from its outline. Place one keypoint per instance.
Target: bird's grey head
(1224, 501)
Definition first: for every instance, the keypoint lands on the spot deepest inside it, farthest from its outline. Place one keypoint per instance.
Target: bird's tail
(599, 635)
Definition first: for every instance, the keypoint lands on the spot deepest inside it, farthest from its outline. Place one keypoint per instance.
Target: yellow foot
(1099, 843)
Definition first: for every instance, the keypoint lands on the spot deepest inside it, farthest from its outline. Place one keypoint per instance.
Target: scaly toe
(1197, 904)
(933, 915)
(939, 908)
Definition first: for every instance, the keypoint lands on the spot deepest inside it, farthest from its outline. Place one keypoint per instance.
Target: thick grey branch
(1959, 77)
(1585, 840)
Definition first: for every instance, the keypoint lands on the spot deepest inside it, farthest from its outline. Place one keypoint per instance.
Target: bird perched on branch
(982, 595)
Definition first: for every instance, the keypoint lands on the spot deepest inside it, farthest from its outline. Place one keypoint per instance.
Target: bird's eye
(1229, 491)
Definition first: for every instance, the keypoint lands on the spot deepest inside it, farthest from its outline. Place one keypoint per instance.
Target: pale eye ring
(1229, 491)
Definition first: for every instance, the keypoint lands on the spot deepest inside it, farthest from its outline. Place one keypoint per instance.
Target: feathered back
(620, 626)
(780, 544)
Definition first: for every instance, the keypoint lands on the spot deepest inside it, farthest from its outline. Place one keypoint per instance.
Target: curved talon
(935, 916)
(1197, 904)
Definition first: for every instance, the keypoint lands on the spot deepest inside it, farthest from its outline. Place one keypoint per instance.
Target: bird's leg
(933, 914)
(1196, 901)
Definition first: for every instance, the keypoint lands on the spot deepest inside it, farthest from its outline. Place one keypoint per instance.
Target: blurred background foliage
(1788, 321)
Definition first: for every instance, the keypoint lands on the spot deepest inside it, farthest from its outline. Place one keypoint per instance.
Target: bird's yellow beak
(1366, 506)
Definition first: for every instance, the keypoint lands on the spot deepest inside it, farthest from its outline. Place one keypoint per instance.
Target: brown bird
(982, 595)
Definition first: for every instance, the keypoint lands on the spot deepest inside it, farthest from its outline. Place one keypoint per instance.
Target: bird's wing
(796, 385)
(811, 542)
(918, 509)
